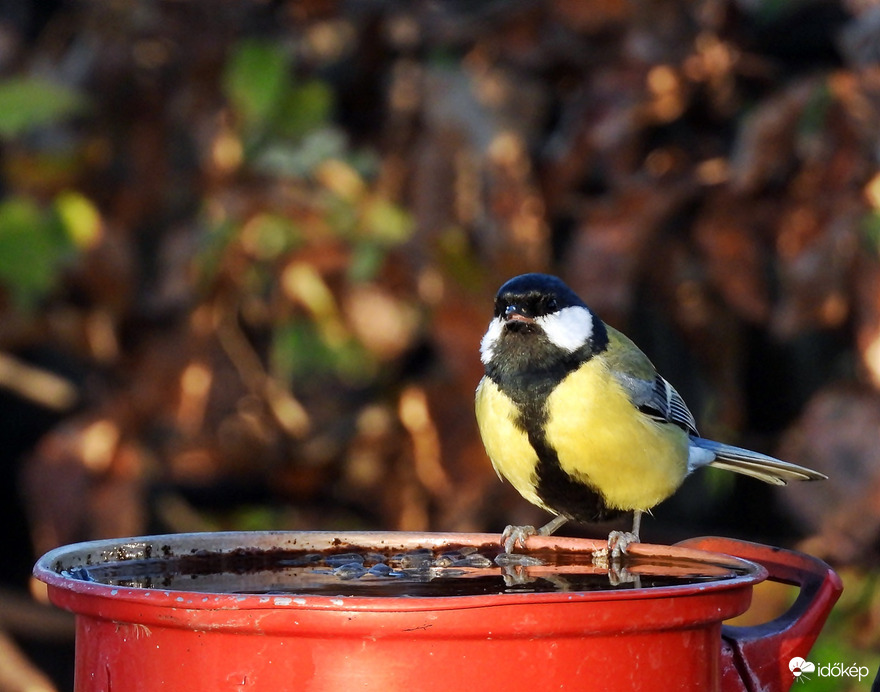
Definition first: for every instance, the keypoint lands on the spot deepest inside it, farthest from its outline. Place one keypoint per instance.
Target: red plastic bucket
(132, 638)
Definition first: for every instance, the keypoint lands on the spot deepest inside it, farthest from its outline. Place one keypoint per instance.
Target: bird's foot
(516, 534)
(519, 534)
(618, 542)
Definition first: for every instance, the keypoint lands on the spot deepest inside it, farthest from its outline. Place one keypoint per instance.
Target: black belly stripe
(529, 388)
(571, 498)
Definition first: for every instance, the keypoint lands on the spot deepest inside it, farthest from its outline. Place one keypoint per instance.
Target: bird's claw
(516, 534)
(618, 542)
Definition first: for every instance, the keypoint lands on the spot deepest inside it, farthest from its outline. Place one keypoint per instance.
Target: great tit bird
(576, 418)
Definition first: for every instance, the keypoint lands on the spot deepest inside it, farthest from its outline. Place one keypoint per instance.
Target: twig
(289, 412)
(40, 386)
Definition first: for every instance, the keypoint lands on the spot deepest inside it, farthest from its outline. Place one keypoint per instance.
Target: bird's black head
(539, 322)
(534, 295)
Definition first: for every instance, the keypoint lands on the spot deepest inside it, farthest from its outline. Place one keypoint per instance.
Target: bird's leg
(552, 526)
(519, 534)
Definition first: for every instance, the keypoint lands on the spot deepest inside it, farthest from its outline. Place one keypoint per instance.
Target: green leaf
(255, 79)
(387, 222)
(255, 518)
(80, 218)
(27, 103)
(270, 235)
(366, 261)
(298, 351)
(32, 248)
(870, 228)
(304, 109)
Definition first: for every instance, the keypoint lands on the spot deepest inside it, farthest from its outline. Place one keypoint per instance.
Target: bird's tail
(749, 463)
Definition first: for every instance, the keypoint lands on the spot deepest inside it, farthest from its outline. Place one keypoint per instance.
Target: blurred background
(248, 250)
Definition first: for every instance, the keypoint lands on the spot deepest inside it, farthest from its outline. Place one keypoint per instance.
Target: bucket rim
(51, 568)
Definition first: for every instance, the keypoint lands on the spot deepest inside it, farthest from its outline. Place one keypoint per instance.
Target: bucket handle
(758, 656)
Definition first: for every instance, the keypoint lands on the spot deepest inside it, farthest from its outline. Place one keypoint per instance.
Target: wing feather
(665, 405)
(649, 392)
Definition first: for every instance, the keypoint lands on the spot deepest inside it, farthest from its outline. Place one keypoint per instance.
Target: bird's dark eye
(552, 305)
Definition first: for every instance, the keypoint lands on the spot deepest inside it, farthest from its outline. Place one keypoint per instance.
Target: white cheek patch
(569, 328)
(490, 338)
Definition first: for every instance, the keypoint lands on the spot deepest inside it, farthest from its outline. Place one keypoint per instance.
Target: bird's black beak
(513, 313)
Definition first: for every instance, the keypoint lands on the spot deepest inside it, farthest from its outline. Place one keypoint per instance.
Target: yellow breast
(599, 435)
(513, 458)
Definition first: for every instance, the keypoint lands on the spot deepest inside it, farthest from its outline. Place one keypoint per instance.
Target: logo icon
(799, 666)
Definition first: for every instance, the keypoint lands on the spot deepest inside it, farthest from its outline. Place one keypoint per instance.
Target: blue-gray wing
(658, 400)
